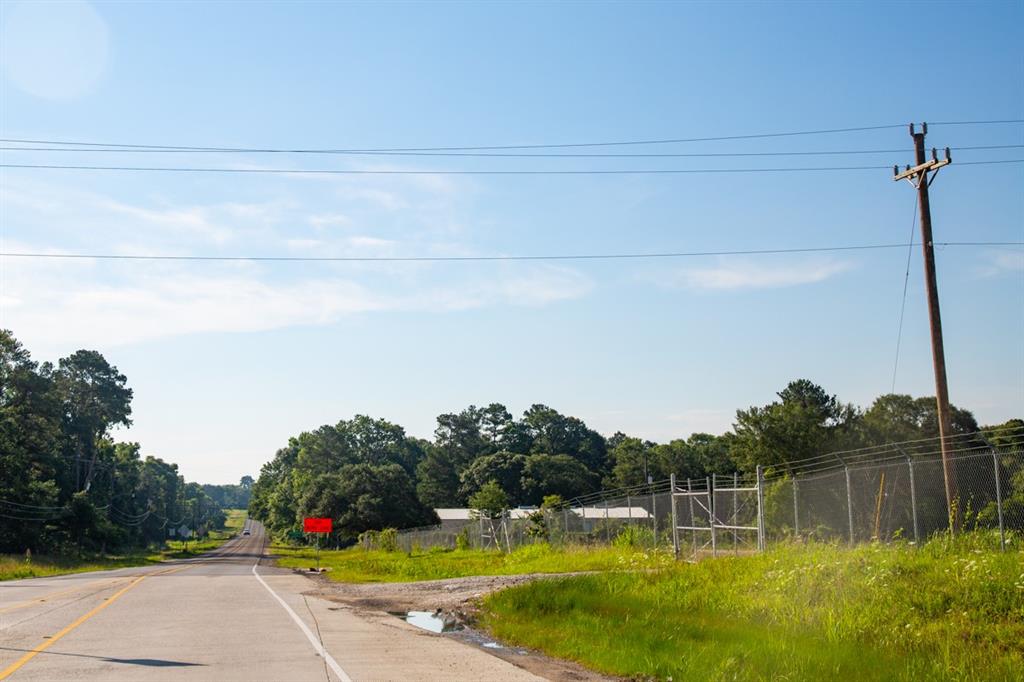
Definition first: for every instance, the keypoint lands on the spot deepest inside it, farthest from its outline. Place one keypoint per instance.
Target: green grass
(356, 565)
(948, 610)
(15, 566)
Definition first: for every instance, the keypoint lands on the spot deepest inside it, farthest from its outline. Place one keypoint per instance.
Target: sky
(228, 360)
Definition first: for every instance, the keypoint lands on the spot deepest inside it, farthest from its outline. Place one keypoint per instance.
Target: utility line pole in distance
(918, 175)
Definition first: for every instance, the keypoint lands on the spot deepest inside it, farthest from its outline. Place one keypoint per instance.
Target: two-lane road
(223, 616)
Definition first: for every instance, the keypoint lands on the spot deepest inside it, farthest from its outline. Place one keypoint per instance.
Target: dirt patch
(455, 598)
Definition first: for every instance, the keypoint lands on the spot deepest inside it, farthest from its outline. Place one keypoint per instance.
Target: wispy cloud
(735, 274)
(1003, 262)
(106, 305)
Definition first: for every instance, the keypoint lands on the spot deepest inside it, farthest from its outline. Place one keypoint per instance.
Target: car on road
(246, 532)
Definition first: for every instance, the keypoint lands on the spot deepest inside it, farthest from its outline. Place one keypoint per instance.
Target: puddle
(429, 620)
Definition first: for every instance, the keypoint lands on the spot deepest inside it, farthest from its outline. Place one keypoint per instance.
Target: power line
(719, 138)
(563, 145)
(334, 171)
(903, 303)
(500, 155)
(393, 259)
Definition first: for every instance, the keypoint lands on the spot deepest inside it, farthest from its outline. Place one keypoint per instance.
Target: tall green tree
(94, 398)
(30, 436)
(805, 422)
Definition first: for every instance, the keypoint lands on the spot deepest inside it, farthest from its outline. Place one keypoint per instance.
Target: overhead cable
(719, 138)
(392, 259)
(500, 155)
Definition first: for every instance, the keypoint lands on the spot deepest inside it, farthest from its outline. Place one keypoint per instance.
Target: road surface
(224, 616)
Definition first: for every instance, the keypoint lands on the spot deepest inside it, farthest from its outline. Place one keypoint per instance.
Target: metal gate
(717, 514)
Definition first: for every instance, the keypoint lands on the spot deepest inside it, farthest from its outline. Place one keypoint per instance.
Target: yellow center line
(14, 667)
(52, 595)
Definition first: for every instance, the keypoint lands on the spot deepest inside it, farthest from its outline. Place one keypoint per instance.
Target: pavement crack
(327, 674)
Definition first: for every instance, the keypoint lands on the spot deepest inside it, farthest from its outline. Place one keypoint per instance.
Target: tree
(807, 422)
(505, 468)
(552, 432)
(363, 497)
(495, 421)
(438, 482)
(30, 435)
(490, 503)
(632, 461)
(94, 398)
(460, 437)
(894, 418)
(556, 475)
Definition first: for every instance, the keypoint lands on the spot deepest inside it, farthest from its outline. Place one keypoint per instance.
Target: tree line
(368, 474)
(65, 485)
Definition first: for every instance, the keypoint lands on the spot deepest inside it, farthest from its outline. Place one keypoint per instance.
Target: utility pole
(918, 175)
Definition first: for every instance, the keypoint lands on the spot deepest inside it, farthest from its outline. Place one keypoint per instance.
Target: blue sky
(230, 359)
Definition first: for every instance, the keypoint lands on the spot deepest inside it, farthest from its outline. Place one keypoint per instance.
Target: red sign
(315, 525)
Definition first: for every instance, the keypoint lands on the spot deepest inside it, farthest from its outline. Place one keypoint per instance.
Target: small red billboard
(316, 525)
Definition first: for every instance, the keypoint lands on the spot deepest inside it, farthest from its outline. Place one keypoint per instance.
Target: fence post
(675, 524)
(913, 501)
(796, 509)
(999, 500)
(607, 525)
(735, 514)
(629, 511)
(849, 502)
(693, 521)
(761, 539)
(709, 482)
(565, 525)
(654, 515)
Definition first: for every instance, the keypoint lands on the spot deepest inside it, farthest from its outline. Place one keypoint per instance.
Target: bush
(634, 537)
(387, 540)
(462, 539)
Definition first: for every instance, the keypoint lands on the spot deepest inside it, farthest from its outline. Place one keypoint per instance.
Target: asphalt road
(223, 616)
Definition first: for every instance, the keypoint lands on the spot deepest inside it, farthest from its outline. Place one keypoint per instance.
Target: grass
(15, 567)
(947, 610)
(357, 565)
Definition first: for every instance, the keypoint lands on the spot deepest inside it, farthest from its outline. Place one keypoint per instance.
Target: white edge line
(302, 626)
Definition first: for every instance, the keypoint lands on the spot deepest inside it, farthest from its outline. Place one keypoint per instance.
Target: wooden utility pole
(918, 175)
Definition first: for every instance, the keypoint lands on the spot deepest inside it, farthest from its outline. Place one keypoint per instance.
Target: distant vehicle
(246, 532)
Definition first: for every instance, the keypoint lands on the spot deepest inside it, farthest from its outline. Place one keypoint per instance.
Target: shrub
(462, 539)
(387, 539)
(634, 537)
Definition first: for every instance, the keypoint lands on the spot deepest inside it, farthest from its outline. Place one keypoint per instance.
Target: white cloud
(105, 304)
(197, 220)
(738, 274)
(1001, 262)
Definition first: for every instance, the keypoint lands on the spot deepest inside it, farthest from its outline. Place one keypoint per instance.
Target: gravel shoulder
(457, 600)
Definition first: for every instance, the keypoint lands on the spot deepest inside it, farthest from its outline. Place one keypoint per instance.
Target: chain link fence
(891, 492)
